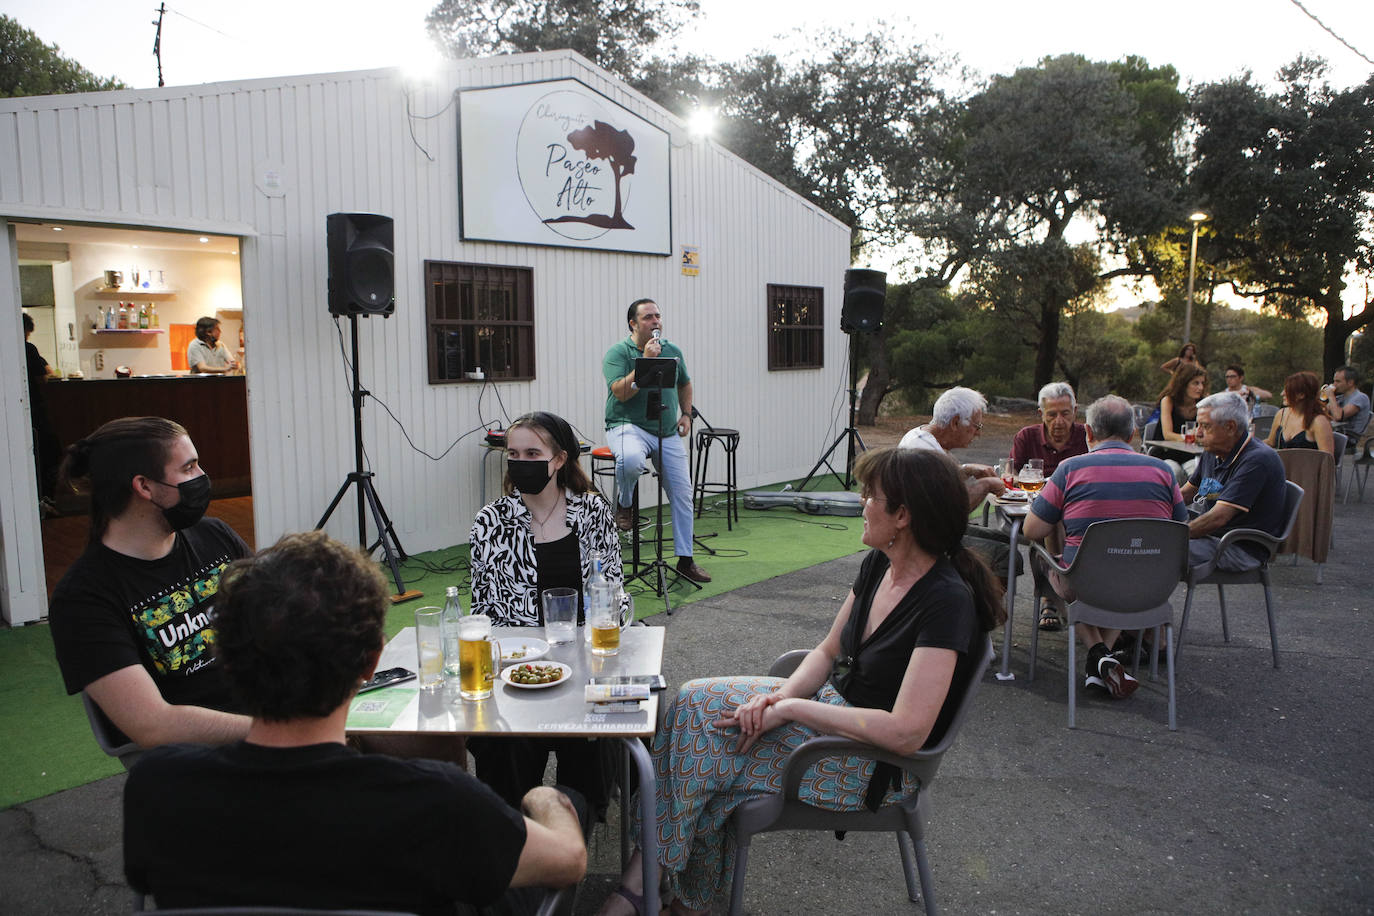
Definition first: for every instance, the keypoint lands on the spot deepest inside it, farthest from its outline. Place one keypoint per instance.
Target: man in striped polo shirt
(1111, 481)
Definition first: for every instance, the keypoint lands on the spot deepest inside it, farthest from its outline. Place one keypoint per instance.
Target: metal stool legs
(729, 442)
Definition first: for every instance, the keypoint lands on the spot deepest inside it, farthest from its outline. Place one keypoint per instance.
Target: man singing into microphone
(632, 430)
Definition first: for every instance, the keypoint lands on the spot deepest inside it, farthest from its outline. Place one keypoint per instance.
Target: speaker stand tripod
(367, 493)
(850, 435)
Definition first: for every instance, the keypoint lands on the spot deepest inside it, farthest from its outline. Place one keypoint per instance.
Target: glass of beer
(1032, 475)
(430, 644)
(1190, 432)
(605, 624)
(477, 657)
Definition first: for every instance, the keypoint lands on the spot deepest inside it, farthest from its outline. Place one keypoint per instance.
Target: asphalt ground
(1261, 802)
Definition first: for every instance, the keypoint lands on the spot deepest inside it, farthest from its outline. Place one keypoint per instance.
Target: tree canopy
(30, 67)
(1288, 179)
(615, 34)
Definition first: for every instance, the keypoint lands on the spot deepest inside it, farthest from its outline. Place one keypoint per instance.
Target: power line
(204, 25)
(1310, 15)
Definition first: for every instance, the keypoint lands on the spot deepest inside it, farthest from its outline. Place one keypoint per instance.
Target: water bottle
(600, 595)
(448, 629)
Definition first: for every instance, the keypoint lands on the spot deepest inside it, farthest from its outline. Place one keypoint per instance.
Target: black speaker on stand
(362, 282)
(865, 293)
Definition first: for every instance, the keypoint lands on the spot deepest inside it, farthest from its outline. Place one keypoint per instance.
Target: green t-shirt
(619, 361)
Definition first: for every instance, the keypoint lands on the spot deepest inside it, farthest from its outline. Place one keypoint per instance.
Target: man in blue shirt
(1241, 480)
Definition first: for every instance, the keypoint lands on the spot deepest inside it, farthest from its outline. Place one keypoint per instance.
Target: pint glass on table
(430, 646)
(476, 657)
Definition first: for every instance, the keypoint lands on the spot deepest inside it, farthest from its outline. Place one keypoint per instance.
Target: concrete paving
(1261, 802)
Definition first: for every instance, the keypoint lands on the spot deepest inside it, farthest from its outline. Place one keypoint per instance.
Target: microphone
(657, 334)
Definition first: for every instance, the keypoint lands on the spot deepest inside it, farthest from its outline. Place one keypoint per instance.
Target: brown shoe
(625, 517)
(687, 567)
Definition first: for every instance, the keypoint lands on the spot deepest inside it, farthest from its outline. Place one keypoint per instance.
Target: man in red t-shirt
(1057, 436)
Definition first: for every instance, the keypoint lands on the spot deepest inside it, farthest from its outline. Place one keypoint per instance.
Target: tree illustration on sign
(603, 141)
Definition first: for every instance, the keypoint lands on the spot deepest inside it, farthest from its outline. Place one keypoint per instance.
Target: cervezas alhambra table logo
(576, 163)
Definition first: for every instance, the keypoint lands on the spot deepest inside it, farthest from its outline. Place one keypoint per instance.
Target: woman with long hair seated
(541, 535)
(1301, 422)
(1178, 400)
(890, 672)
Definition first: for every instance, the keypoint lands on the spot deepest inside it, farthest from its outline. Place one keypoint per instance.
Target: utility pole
(157, 40)
(1196, 219)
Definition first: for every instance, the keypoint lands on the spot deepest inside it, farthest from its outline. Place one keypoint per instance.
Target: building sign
(691, 261)
(556, 163)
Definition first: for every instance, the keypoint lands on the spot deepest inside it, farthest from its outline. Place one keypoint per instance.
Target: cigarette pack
(607, 693)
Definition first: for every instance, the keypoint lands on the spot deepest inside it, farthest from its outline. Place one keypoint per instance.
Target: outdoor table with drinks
(480, 695)
(1012, 507)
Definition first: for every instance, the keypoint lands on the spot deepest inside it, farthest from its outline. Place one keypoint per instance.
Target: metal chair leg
(1169, 664)
(1073, 670)
(1183, 624)
(904, 847)
(1269, 612)
(1221, 599)
(737, 880)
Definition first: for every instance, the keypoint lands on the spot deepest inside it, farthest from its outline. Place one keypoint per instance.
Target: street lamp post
(1196, 219)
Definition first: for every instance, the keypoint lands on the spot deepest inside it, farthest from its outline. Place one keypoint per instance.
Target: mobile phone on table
(655, 681)
(387, 678)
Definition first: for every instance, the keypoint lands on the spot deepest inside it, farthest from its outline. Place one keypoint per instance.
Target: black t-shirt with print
(111, 611)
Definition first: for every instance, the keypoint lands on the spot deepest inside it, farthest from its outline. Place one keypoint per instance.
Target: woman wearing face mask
(541, 535)
(132, 618)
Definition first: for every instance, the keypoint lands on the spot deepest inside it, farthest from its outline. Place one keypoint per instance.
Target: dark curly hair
(297, 626)
(112, 456)
(204, 326)
(927, 482)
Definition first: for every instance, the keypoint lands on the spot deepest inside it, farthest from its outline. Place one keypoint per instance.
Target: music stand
(652, 375)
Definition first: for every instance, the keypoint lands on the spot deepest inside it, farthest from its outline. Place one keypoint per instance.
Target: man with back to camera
(291, 816)
(131, 619)
(1346, 404)
(1111, 481)
(632, 433)
(206, 355)
(1241, 480)
(1056, 437)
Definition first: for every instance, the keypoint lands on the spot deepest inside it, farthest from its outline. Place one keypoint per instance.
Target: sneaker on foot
(1114, 676)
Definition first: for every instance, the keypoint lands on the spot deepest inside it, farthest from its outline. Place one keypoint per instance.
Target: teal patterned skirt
(700, 779)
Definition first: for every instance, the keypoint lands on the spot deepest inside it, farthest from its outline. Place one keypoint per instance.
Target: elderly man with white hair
(956, 420)
(1239, 479)
(1057, 436)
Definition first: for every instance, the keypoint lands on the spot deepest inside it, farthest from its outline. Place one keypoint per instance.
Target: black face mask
(529, 477)
(190, 508)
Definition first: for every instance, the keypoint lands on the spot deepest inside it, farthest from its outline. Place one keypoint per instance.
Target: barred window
(479, 316)
(795, 327)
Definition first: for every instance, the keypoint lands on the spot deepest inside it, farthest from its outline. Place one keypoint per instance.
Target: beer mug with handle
(479, 657)
(605, 621)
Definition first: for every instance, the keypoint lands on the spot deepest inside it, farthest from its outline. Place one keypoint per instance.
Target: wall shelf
(130, 330)
(135, 294)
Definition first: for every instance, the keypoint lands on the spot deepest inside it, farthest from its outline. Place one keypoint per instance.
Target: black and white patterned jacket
(503, 562)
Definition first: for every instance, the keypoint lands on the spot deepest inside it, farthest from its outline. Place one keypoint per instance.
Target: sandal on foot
(633, 899)
(1049, 618)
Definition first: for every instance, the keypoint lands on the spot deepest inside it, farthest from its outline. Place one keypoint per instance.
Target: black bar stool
(729, 442)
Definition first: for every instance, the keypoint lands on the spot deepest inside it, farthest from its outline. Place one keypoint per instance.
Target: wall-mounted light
(56, 228)
(203, 240)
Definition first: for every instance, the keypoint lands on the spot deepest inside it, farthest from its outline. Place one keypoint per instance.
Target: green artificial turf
(46, 744)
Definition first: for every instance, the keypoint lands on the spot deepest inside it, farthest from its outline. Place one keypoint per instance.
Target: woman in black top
(897, 658)
(1302, 423)
(541, 535)
(1178, 400)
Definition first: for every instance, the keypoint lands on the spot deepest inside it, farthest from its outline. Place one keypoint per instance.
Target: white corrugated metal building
(266, 160)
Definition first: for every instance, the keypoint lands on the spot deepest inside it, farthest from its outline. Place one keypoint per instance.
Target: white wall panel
(344, 143)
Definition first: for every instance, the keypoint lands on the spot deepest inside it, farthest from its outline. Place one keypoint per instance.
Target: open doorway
(107, 304)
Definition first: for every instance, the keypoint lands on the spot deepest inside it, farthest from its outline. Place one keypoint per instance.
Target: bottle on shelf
(152, 315)
(143, 317)
(123, 317)
(109, 318)
(449, 623)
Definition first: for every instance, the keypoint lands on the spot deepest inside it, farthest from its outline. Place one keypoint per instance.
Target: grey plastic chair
(1123, 574)
(110, 739)
(906, 817)
(1338, 443)
(554, 903)
(1208, 574)
(1359, 470)
(1263, 424)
